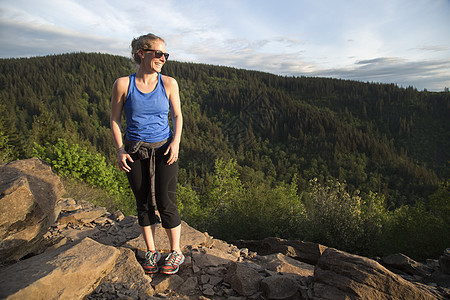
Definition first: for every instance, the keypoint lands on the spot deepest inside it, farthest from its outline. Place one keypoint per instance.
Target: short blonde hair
(144, 41)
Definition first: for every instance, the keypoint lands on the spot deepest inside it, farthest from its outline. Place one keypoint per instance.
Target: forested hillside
(250, 138)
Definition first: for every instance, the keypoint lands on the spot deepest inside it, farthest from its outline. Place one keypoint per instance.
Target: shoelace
(151, 258)
(173, 257)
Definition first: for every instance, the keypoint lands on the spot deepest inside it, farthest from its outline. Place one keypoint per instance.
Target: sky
(405, 42)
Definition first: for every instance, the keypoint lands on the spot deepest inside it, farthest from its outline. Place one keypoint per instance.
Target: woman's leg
(174, 235)
(138, 178)
(166, 184)
(148, 233)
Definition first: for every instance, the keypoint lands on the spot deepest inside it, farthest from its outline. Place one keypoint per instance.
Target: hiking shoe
(151, 262)
(173, 262)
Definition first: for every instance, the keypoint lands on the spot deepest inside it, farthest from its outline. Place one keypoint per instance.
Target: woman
(149, 153)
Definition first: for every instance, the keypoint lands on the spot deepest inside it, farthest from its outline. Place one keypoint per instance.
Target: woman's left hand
(172, 150)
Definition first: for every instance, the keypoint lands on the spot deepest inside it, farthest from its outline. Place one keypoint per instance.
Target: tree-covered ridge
(317, 127)
(376, 137)
(305, 148)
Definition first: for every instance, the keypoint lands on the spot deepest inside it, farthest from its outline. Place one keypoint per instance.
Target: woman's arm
(173, 94)
(119, 93)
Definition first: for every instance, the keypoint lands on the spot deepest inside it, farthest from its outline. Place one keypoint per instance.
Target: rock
(68, 205)
(77, 234)
(128, 271)
(117, 216)
(189, 286)
(214, 280)
(432, 264)
(440, 279)
(281, 263)
(223, 247)
(405, 264)
(29, 191)
(209, 291)
(216, 270)
(163, 283)
(303, 251)
(101, 221)
(340, 275)
(68, 272)
(280, 287)
(119, 233)
(444, 262)
(83, 216)
(243, 279)
(15, 204)
(211, 257)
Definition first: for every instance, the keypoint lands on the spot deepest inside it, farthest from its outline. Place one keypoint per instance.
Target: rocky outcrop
(127, 278)
(243, 279)
(340, 275)
(303, 251)
(28, 193)
(69, 272)
(401, 263)
(91, 253)
(444, 262)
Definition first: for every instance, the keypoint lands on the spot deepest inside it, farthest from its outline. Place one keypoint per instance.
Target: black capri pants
(165, 189)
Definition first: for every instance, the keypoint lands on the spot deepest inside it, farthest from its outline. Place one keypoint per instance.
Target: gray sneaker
(173, 262)
(150, 264)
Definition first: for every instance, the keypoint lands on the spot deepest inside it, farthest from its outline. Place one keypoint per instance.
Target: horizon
(238, 68)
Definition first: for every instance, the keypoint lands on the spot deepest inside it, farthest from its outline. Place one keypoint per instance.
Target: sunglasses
(158, 53)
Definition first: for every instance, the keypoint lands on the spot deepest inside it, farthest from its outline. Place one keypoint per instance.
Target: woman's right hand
(122, 157)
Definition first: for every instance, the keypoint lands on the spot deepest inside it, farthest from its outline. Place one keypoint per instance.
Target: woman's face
(150, 60)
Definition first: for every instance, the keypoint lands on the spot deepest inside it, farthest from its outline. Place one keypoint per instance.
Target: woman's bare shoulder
(122, 83)
(169, 82)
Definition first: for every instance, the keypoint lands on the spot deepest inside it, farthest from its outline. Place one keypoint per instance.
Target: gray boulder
(127, 276)
(243, 279)
(280, 287)
(340, 275)
(29, 190)
(303, 251)
(70, 272)
(281, 263)
(405, 264)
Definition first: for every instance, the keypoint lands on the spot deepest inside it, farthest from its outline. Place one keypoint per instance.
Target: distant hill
(376, 137)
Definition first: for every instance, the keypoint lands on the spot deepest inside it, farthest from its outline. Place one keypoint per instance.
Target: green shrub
(346, 221)
(416, 232)
(189, 205)
(76, 162)
(232, 211)
(333, 215)
(264, 211)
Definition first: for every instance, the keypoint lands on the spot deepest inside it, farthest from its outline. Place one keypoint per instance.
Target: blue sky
(387, 41)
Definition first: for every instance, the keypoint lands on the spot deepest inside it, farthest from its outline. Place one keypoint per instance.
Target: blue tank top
(147, 113)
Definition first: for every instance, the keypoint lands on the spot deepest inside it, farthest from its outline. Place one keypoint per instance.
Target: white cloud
(434, 48)
(387, 41)
(20, 39)
(432, 74)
